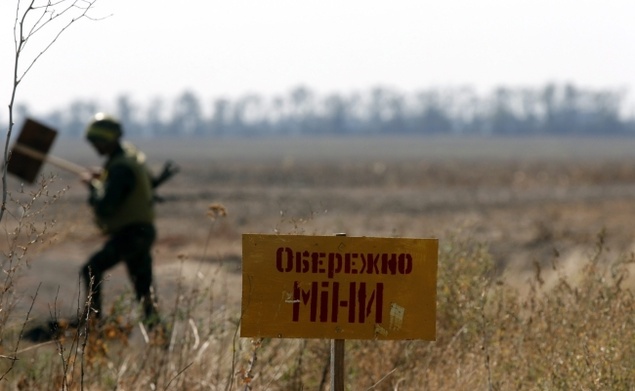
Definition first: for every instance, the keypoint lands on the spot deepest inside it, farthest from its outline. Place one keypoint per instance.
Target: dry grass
(516, 309)
(577, 334)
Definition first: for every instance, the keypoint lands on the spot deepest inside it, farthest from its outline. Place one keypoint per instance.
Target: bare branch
(16, 350)
(44, 15)
(83, 6)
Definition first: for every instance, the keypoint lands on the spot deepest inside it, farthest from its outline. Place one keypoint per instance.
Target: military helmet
(103, 127)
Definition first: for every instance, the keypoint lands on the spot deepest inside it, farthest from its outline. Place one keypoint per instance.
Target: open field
(525, 198)
(530, 202)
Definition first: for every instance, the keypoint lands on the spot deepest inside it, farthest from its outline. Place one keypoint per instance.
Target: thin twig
(381, 380)
(177, 375)
(14, 358)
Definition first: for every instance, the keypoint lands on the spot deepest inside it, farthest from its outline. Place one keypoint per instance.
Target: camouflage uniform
(123, 207)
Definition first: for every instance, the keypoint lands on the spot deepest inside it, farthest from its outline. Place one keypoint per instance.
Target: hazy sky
(159, 47)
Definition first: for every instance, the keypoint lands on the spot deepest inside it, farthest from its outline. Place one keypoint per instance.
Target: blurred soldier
(121, 196)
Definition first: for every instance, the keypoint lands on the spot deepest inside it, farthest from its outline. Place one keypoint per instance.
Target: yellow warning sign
(339, 287)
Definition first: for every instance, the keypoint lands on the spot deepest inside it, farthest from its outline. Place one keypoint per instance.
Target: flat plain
(529, 200)
(534, 284)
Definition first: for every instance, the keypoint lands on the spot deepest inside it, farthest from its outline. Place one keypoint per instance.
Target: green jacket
(123, 195)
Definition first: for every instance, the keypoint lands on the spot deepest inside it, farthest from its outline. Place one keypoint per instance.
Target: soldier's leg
(139, 263)
(141, 275)
(93, 273)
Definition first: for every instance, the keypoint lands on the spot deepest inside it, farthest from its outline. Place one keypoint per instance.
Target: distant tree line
(549, 110)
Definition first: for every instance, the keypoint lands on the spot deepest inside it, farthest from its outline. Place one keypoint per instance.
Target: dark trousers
(131, 245)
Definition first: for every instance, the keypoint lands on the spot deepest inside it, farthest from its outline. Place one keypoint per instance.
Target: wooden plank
(337, 364)
(34, 136)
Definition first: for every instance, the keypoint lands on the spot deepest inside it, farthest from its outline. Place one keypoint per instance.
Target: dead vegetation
(535, 286)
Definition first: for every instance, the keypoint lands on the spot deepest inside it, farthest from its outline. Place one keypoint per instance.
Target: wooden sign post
(338, 348)
(339, 287)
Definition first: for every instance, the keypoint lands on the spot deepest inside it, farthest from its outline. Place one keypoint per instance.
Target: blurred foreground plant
(576, 333)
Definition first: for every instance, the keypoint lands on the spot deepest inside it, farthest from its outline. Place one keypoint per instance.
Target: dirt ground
(527, 199)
